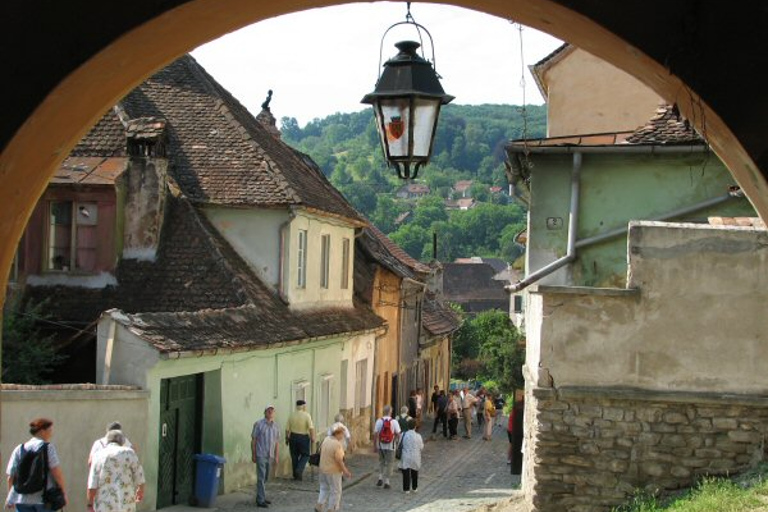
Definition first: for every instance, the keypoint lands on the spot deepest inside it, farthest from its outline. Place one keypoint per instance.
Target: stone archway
(95, 81)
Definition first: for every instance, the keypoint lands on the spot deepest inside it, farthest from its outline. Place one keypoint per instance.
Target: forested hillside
(469, 146)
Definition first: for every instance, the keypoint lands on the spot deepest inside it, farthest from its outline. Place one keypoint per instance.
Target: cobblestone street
(456, 476)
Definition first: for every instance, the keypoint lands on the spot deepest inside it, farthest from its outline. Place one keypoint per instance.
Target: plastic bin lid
(209, 457)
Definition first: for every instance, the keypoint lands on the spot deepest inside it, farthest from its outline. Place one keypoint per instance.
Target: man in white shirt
(385, 436)
(467, 401)
(102, 442)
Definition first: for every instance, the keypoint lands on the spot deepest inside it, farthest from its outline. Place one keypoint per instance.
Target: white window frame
(77, 218)
(361, 385)
(325, 261)
(301, 268)
(345, 263)
(299, 390)
(343, 387)
(324, 402)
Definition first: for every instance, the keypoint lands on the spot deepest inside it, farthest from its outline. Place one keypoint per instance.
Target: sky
(323, 61)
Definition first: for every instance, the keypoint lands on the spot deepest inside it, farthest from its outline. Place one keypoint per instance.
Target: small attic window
(146, 137)
(146, 147)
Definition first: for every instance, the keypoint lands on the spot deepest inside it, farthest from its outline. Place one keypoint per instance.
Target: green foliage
(487, 347)
(747, 492)
(469, 144)
(28, 356)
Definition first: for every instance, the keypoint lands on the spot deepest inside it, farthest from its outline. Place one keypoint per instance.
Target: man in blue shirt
(264, 449)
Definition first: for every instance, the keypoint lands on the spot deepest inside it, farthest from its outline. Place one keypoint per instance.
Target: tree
(491, 339)
(412, 238)
(28, 356)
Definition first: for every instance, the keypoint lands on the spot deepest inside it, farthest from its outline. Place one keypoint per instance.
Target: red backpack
(386, 435)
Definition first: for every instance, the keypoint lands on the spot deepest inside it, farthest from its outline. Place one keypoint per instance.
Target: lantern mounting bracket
(409, 20)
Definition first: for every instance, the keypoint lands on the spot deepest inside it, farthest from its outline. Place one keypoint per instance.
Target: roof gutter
(609, 149)
(573, 224)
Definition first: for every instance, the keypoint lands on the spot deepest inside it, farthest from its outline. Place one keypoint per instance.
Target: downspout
(573, 224)
(281, 280)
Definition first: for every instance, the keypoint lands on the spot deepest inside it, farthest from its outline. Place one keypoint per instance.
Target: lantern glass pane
(424, 117)
(396, 125)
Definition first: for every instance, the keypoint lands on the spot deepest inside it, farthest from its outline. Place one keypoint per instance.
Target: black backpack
(32, 470)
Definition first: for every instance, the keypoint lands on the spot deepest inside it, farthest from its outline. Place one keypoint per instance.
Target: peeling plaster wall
(654, 385)
(697, 324)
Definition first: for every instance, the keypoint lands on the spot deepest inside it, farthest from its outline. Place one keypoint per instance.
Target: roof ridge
(224, 99)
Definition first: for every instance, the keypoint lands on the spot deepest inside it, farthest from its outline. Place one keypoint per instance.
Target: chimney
(145, 187)
(266, 119)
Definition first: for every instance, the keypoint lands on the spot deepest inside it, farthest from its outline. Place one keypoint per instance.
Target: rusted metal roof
(90, 170)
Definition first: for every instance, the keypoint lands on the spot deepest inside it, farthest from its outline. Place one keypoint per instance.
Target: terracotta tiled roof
(667, 127)
(437, 318)
(243, 328)
(391, 255)
(219, 153)
(107, 138)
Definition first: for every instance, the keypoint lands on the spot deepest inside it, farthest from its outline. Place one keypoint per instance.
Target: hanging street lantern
(406, 102)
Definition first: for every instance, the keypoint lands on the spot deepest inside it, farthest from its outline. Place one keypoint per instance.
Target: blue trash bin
(207, 478)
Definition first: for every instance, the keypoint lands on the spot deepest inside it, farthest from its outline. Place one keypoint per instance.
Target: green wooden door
(180, 406)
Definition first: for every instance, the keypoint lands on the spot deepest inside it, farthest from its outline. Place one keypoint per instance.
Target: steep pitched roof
(437, 318)
(392, 256)
(219, 153)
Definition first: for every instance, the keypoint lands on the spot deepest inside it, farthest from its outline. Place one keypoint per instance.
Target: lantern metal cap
(408, 74)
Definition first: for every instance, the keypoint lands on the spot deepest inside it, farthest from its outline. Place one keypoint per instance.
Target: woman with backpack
(34, 472)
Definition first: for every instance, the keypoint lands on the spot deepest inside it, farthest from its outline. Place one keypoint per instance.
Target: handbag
(399, 451)
(53, 497)
(314, 459)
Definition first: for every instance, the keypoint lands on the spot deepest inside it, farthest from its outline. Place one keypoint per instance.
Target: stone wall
(591, 448)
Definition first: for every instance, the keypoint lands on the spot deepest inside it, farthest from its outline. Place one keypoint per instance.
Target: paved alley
(456, 476)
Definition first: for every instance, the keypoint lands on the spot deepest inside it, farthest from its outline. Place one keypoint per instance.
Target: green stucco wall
(617, 188)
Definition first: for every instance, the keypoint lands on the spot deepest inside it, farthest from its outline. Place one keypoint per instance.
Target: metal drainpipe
(584, 242)
(573, 224)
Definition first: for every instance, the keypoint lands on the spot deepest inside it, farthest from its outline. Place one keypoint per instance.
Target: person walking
(419, 407)
(332, 467)
(102, 442)
(467, 402)
(499, 403)
(116, 479)
(410, 461)
(265, 451)
(41, 430)
(480, 408)
(339, 420)
(300, 436)
(433, 400)
(402, 419)
(385, 436)
(441, 413)
(454, 409)
(489, 411)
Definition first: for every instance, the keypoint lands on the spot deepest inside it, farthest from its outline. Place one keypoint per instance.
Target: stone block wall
(591, 448)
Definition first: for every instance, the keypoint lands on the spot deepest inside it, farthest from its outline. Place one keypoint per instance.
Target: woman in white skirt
(410, 461)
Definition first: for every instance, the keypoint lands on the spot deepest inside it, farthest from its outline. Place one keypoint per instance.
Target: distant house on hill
(461, 188)
(412, 191)
(473, 286)
(403, 218)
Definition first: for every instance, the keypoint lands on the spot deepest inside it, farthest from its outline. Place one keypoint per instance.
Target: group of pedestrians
(36, 481)
(462, 404)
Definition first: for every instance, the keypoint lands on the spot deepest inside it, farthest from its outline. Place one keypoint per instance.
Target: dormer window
(71, 237)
